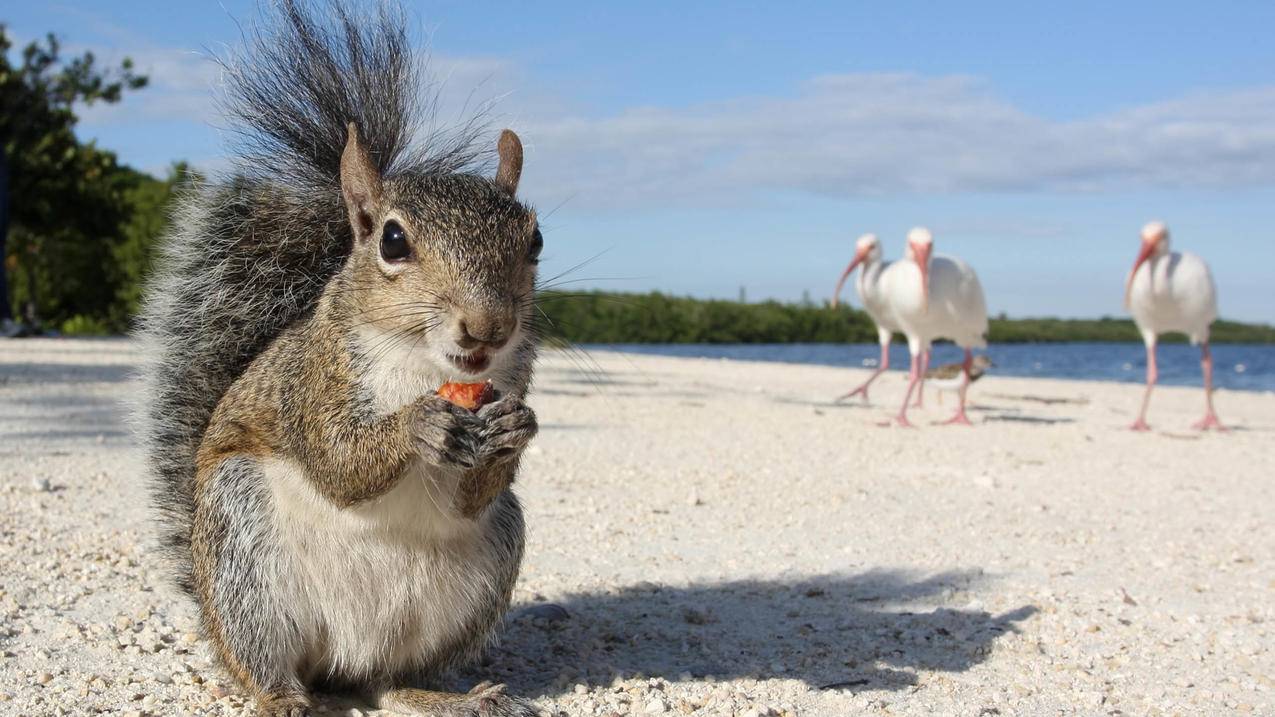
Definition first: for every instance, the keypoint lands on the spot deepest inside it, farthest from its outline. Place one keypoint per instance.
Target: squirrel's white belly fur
(380, 587)
(387, 585)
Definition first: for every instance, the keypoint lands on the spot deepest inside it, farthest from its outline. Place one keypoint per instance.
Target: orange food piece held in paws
(471, 396)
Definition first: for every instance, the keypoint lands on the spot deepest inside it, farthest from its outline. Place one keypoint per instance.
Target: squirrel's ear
(360, 185)
(510, 149)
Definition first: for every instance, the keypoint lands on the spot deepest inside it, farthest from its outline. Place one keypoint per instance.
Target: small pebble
(656, 706)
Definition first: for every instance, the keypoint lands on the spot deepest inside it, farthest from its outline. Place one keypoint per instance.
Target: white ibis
(867, 254)
(1172, 291)
(934, 297)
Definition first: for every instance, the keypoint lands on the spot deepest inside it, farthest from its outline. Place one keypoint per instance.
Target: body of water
(1242, 367)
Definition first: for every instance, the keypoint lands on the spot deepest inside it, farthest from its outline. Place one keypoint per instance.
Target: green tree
(607, 318)
(65, 200)
(149, 203)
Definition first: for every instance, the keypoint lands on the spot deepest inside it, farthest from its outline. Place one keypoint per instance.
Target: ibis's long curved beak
(1145, 253)
(859, 256)
(923, 263)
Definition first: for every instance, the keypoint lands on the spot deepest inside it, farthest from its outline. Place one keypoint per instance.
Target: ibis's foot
(960, 419)
(900, 420)
(1210, 420)
(860, 390)
(1139, 425)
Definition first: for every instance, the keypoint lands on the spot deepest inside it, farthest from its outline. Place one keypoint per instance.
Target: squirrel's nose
(485, 330)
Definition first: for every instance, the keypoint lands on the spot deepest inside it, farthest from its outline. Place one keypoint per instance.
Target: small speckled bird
(948, 376)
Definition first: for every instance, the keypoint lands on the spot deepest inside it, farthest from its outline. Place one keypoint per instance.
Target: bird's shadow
(821, 404)
(1022, 418)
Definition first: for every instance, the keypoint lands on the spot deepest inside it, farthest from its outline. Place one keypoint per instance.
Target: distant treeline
(614, 318)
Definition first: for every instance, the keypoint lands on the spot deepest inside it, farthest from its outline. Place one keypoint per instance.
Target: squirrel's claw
(509, 431)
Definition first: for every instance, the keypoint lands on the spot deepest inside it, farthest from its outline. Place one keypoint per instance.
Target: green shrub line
(601, 317)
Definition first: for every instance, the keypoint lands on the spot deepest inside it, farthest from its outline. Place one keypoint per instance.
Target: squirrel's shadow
(834, 632)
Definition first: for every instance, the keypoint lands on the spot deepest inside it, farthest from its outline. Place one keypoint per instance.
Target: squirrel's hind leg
(484, 700)
(237, 586)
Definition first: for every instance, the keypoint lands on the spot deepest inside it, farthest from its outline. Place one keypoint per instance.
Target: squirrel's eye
(537, 245)
(394, 246)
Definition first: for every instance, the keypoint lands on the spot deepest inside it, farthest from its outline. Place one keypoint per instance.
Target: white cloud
(854, 135)
(181, 86)
(186, 85)
(878, 134)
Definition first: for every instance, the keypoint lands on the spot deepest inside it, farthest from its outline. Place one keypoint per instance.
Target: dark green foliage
(92, 269)
(149, 202)
(67, 200)
(608, 318)
(1018, 331)
(598, 317)
(65, 268)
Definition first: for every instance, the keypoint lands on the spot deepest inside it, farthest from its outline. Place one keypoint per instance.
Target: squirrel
(338, 524)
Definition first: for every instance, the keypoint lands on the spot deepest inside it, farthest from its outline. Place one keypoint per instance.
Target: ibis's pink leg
(1152, 374)
(925, 366)
(1210, 419)
(913, 377)
(881, 367)
(960, 416)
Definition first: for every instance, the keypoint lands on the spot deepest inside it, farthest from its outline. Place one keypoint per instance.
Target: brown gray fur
(335, 521)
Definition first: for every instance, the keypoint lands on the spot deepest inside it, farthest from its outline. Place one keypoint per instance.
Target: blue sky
(709, 146)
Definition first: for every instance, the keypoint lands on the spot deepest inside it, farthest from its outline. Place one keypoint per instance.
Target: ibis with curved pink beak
(934, 297)
(868, 255)
(1172, 291)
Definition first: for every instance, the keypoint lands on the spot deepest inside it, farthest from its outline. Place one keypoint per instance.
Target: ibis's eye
(394, 246)
(537, 245)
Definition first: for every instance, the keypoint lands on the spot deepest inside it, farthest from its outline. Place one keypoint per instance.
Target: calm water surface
(1236, 366)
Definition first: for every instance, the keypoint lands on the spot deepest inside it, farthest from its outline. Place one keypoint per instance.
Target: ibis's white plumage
(934, 297)
(868, 256)
(869, 287)
(956, 307)
(1172, 291)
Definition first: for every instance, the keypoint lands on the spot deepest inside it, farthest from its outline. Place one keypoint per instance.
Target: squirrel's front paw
(508, 426)
(447, 435)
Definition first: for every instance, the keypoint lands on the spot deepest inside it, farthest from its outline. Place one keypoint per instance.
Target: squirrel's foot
(484, 700)
(283, 705)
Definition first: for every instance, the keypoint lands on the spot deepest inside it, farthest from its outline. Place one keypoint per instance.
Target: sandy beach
(726, 541)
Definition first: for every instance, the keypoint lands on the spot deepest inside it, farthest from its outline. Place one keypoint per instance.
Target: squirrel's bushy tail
(250, 254)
